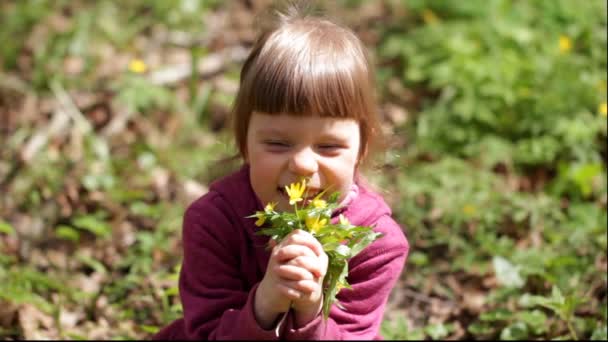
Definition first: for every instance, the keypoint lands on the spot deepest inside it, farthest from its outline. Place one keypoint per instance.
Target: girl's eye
(277, 145)
(329, 148)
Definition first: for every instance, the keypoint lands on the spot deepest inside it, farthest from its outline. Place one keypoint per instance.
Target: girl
(305, 108)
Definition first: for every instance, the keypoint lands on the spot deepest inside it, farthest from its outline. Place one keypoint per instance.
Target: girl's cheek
(274, 158)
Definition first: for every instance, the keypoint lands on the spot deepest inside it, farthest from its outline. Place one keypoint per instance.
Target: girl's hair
(304, 64)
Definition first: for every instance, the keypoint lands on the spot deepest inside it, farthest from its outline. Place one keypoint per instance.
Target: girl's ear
(242, 152)
(362, 154)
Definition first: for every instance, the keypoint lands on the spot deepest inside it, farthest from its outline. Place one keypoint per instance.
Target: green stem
(572, 331)
(193, 82)
(295, 206)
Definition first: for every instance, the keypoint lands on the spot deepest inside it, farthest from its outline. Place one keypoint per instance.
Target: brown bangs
(296, 77)
(308, 67)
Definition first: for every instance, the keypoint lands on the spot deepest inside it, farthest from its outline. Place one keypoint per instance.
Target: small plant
(563, 306)
(341, 241)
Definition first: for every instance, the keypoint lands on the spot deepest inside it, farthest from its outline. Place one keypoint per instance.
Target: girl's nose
(303, 162)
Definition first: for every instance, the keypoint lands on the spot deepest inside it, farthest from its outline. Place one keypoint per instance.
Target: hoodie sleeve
(215, 301)
(372, 275)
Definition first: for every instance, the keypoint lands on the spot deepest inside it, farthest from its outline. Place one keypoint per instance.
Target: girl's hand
(295, 273)
(310, 303)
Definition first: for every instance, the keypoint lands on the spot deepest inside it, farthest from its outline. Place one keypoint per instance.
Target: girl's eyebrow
(274, 132)
(334, 137)
(270, 131)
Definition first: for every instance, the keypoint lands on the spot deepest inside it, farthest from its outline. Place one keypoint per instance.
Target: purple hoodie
(224, 261)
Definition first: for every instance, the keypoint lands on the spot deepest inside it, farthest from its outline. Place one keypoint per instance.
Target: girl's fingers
(301, 237)
(312, 265)
(293, 272)
(287, 252)
(289, 292)
(305, 287)
(293, 289)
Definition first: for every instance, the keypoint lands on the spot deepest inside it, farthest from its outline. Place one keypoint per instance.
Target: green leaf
(94, 225)
(418, 258)
(437, 331)
(496, 315)
(600, 333)
(534, 319)
(149, 328)
(481, 328)
(397, 329)
(343, 250)
(6, 228)
(67, 233)
(333, 197)
(337, 272)
(330, 244)
(507, 273)
(515, 331)
(92, 263)
(367, 239)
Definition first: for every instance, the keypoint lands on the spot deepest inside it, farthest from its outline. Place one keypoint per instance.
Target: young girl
(305, 108)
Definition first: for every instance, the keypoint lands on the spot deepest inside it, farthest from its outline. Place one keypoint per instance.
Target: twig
(13, 83)
(59, 123)
(65, 101)
(571, 329)
(207, 66)
(118, 122)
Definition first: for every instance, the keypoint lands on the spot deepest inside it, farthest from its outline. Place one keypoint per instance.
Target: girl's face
(281, 149)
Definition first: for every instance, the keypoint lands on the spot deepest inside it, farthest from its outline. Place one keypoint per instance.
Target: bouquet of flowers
(340, 241)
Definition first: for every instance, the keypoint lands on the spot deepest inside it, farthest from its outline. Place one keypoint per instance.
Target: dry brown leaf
(59, 23)
(473, 300)
(8, 313)
(91, 283)
(125, 234)
(35, 324)
(73, 65)
(439, 311)
(69, 319)
(57, 258)
(99, 330)
(396, 114)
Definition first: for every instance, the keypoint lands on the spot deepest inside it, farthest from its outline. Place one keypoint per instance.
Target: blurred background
(113, 115)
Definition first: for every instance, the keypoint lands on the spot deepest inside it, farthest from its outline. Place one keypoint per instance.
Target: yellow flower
(260, 214)
(270, 207)
(319, 203)
(565, 44)
(295, 191)
(429, 17)
(138, 66)
(261, 219)
(314, 224)
(469, 209)
(603, 109)
(344, 220)
(340, 285)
